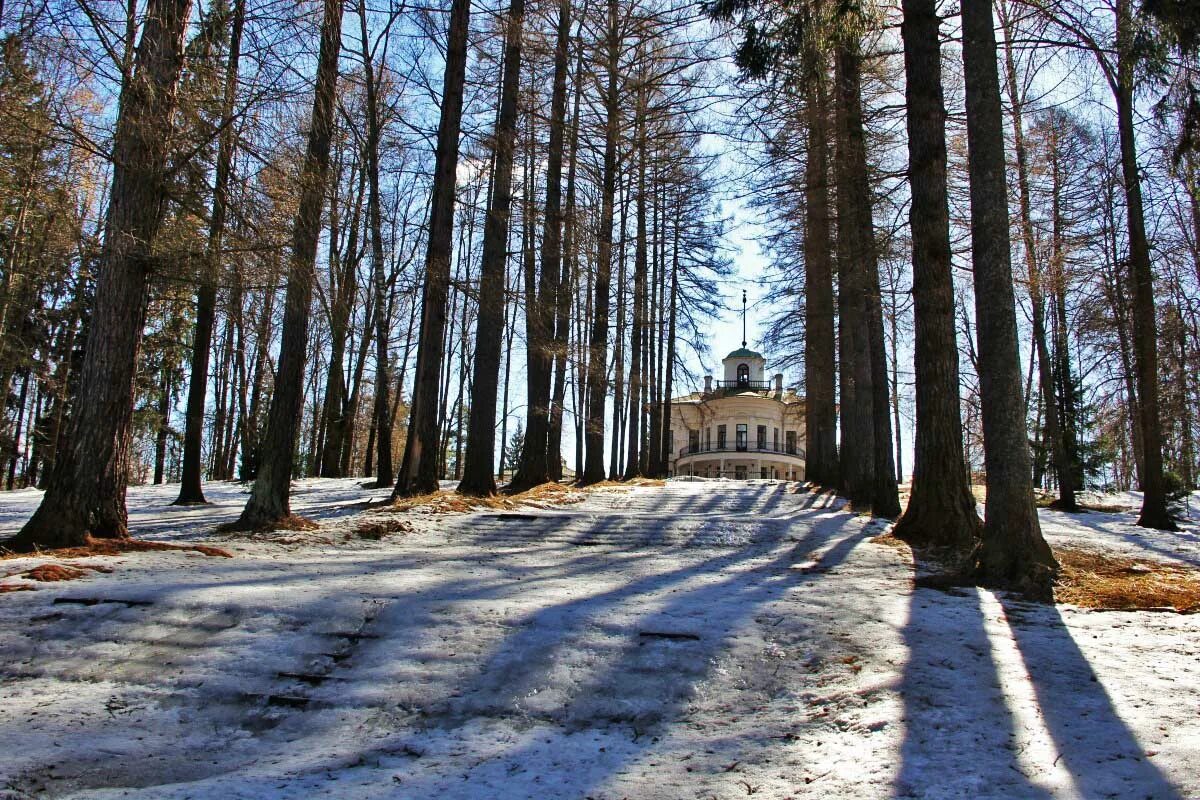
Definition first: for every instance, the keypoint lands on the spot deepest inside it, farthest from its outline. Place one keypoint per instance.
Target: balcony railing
(691, 450)
(753, 386)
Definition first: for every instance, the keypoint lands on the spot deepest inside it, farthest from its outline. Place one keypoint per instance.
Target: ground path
(704, 639)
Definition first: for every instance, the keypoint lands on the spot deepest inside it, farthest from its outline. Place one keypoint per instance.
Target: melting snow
(703, 639)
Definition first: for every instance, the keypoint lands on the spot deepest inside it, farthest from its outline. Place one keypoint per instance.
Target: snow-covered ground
(704, 639)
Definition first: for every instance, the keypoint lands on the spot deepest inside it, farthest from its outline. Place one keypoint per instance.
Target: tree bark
(1012, 553)
(597, 377)
(418, 469)
(86, 494)
(536, 457)
(270, 501)
(855, 240)
(820, 410)
(633, 466)
(382, 417)
(941, 510)
(1154, 512)
(191, 489)
(477, 476)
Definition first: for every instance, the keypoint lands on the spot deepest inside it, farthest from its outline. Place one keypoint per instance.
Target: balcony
(700, 449)
(727, 387)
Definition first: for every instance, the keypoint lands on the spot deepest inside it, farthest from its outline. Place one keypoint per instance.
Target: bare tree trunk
(270, 502)
(598, 347)
(489, 332)
(86, 494)
(536, 457)
(1013, 553)
(191, 490)
(633, 466)
(1145, 338)
(418, 471)
(820, 410)
(855, 240)
(941, 510)
(568, 282)
(382, 417)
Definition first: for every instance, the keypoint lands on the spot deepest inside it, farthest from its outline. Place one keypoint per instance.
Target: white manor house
(743, 426)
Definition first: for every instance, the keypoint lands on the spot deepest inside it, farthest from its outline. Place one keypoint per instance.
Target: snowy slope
(705, 639)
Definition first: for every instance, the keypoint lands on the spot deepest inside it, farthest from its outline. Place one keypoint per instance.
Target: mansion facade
(743, 426)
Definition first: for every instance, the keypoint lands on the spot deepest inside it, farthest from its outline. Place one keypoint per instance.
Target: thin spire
(743, 317)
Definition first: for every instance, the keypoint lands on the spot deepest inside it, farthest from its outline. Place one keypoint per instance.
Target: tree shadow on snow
(966, 726)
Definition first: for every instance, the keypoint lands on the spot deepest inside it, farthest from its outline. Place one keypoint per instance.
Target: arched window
(743, 374)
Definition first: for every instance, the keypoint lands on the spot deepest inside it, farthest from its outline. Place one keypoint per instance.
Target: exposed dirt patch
(1092, 579)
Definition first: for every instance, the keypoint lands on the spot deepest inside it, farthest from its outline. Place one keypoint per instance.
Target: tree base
(181, 501)
(1066, 507)
(1157, 521)
(262, 524)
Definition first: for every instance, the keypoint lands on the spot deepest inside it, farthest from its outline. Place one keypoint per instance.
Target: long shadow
(959, 734)
(632, 687)
(1099, 750)
(961, 737)
(547, 631)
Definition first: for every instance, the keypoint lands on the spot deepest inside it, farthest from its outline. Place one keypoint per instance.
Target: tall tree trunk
(418, 470)
(1013, 553)
(855, 245)
(568, 281)
(820, 410)
(270, 501)
(941, 510)
(191, 490)
(633, 466)
(164, 423)
(86, 494)
(1036, 299)
(593, 471)
(1145, 338)
(536, 457)
(669, 364)
(382, 417)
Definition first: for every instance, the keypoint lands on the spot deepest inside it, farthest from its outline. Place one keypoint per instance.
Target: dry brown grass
(1097, 580)
(888, 540)
(1091, 579)
(449, 502)
(446, 502)
(48, 572)
(116, 547)
(376, 530)
(292, 522)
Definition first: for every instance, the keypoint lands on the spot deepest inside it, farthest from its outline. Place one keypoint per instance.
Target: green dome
(742, 352)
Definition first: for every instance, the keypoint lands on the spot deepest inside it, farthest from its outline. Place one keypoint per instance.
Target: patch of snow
(706, 638)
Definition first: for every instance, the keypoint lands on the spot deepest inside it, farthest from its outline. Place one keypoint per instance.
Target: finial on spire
(743, 317)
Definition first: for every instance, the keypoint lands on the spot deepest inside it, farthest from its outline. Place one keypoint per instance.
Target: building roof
(743, 352)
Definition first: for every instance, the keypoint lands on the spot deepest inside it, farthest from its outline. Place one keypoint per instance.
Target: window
(762, 473)
(739, 472)
(670, 440)
(791, 442)
(762, 437)
(742, 435)
(708, 438)
(775, 440)
(693, 441)
(720, 437)
(743, 374)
